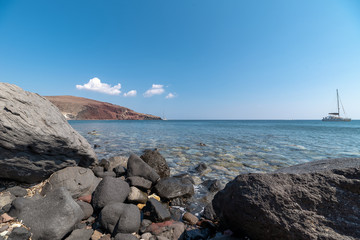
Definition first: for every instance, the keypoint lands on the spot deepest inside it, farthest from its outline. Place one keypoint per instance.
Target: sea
(227, 147)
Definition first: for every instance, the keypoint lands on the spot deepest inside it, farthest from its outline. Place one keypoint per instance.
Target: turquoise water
(232, 147)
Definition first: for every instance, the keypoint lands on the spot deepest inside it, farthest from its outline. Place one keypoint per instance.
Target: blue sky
(227, 59)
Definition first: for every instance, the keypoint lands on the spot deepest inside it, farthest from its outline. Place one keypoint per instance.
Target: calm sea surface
(232, 147)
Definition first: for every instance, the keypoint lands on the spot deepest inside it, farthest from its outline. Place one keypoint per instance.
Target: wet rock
(213, 185)
(96, 146)
(35, 138)
(17, 191)
(319, 200)
(137, 196)
(80, 234)
(110, 190)
(137, 167)
(43, 215)
(190, 218)
(170, 229)
(155, 211)
(19, 233)
(120, 218)
(122, 236)
(202, 169)
(77, 180)
(6, 198)
(171, 187)
(209, 212)
(86, 208)
(139, 182)
(119, 171)
(157, 162)
(176, 214)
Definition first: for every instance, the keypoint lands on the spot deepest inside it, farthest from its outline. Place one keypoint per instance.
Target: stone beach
(53, 187)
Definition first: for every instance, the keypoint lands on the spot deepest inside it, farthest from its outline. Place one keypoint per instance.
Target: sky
(188, 59)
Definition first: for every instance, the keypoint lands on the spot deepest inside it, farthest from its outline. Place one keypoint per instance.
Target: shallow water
(232, 147)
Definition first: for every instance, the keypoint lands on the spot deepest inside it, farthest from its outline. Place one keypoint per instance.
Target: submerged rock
(318, 200)
(35, 138)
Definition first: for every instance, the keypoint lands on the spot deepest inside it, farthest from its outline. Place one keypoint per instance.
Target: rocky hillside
(77, 108)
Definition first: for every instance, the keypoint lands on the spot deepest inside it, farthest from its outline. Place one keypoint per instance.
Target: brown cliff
(78, 108)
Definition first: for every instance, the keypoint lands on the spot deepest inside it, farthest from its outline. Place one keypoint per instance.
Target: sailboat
(335, 116)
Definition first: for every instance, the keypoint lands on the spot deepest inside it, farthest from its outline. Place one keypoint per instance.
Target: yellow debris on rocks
(37, 188)
(142, 205)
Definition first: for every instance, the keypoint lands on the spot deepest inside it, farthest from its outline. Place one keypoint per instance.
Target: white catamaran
(335, 117)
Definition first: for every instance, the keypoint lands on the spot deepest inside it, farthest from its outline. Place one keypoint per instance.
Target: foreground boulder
(77, 180)
(35, 138)
(51, 217)
(318, 200)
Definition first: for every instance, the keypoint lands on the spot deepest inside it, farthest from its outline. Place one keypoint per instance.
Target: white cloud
(170, 95)
(96, 85)
(131, 93)
(156, 89)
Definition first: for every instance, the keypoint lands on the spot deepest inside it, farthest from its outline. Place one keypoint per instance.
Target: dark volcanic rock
(139, 182)
(17, 191)
(157, 162)
(202, 169)
(320, 201)
(213, 185)
(155, 211)
(172, 187)
(19, 233)
(137, 167)
(110, 190)
(119, 171)
(35, 138)
(51, 217)
(120, 218)
(77, 180)
(86, 208)
(80, 234)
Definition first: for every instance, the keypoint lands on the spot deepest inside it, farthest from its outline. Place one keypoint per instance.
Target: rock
(80, 234)
(209, 212)
(146, 236)
(137, 167)
(137, 196)
(213, 185)
(122, 236)
(106, 237)
(197, 233)
(35, 138)
(19, 233)
(6, 208)
(77, 180)
(170, 229)
(86, 198)
(4, 218)
(144, 225)
(86, 208)
(117, 161)
(43, 215)
(319, 200)
(96, 235)
(106, 174)
(139, 182)
(190, 218)
(157, 162)
(155, 211)
(171, 187)
(6, 198)
(119, 171)
(98, 171)
(202, 169)
(176, 214)
(17, 191)
(120, 218)
(110, 190)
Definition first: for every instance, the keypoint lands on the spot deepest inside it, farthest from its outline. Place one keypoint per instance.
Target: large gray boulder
(174, 187)
(35, 138)
(318, 200)
(108, 191)
(137, 167)
(157, 162)
(51, 217)
(120, 218)
(77, 180)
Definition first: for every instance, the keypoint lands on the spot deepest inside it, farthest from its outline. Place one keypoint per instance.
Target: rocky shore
(54, 187)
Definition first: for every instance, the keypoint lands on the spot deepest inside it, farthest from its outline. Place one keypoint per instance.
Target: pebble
(190, 218)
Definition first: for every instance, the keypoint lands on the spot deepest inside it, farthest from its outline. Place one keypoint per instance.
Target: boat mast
(337, 96)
